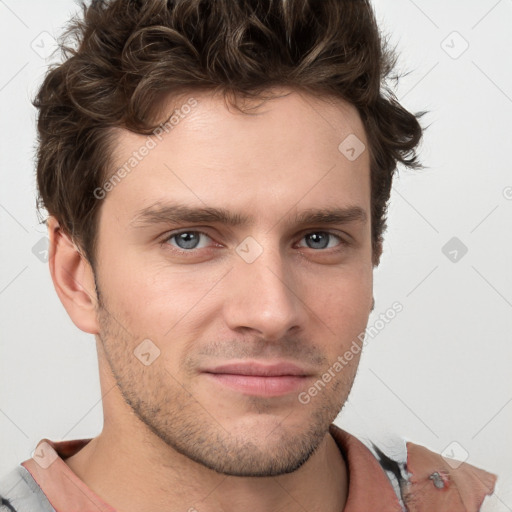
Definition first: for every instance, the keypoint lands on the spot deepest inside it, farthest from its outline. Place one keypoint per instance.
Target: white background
(439, 373)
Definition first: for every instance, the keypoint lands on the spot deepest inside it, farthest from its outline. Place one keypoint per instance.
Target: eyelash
(169, 236)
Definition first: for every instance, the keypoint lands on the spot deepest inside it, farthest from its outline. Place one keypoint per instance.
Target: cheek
(154, 299)
(344, 300)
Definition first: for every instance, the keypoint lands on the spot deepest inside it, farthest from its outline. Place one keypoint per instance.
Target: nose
(264, 298)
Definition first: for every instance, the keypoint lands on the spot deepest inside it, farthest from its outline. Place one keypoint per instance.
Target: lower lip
(259, 385)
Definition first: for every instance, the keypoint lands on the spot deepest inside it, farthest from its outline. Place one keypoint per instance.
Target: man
(216, 175)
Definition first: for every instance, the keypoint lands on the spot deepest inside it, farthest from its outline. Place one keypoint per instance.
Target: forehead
(295, 150)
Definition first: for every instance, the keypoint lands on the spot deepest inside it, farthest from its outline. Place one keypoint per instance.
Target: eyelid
(171, 234)
(342, 241)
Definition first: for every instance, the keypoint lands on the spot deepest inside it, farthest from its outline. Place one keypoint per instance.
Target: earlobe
(73, 279)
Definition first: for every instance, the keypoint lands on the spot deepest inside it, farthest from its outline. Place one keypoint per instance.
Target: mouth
(256, 379)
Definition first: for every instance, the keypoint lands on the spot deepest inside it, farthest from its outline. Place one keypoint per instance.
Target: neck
(137, 472)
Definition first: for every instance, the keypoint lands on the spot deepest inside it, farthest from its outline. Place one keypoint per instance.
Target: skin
(174, 438)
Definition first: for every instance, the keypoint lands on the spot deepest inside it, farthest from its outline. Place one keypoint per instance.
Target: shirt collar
(369, 487)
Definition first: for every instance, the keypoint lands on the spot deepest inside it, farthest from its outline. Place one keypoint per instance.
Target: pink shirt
(463, 489)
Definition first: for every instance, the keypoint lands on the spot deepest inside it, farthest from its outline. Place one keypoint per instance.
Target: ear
(73, 279)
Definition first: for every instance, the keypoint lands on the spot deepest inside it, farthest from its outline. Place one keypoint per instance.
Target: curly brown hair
(125, 55)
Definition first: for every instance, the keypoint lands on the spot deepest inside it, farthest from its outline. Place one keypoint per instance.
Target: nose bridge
(263, 294)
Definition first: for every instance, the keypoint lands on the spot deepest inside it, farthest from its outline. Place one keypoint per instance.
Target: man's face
(238, 239)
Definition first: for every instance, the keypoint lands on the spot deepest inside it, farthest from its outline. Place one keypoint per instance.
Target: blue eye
(188, 240)
(321, 240)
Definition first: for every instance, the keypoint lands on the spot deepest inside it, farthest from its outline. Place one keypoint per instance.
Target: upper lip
(259, 369)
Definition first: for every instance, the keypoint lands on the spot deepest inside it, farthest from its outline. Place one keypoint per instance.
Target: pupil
(318, 240)
(187, 240)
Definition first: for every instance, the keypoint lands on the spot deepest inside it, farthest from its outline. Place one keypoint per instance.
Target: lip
(277, 369)
(251, 378)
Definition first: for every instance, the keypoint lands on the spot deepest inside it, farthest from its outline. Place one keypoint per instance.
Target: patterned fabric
(439, 484)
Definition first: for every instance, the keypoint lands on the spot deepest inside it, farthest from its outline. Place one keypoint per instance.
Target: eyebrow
(179, 214)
